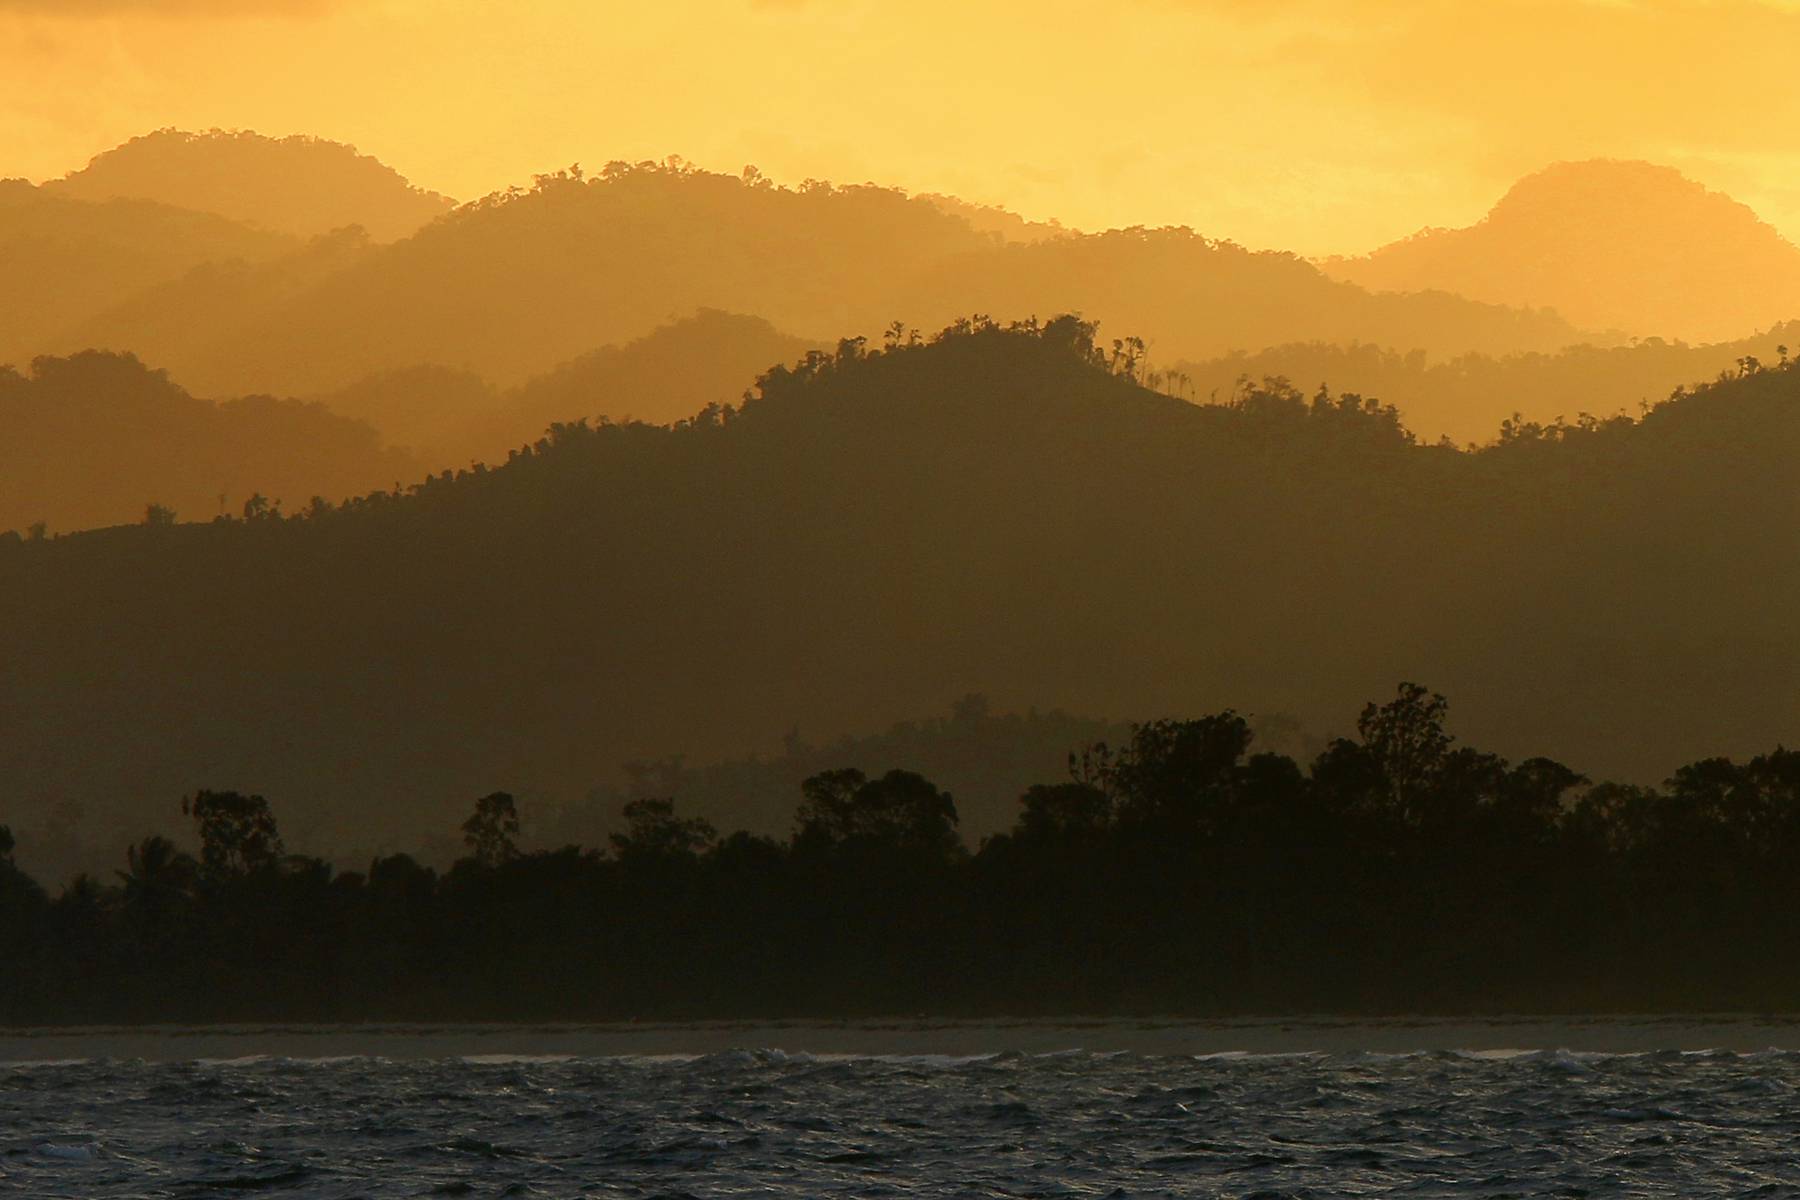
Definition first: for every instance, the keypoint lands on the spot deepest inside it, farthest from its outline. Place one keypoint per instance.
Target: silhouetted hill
(1466, 398)
(95, 439)
(874, 534)
(451, 417)
(297, 185)
(510, 286)
(1609, 245)
(66, 260)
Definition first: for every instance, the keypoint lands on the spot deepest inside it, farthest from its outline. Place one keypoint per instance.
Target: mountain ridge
(517, 282)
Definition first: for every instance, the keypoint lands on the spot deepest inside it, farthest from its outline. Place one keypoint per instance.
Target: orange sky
(1302, 124)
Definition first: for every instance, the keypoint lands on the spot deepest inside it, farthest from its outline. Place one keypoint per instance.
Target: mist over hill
(510, 286)
(988, 218)
(1610, 245)
(303, 186)
(1189, 296)
(451, 418)
(67, 260)
(665, 376)
(182, 316)
(96, 439)
(1468, 397)
(874, 534)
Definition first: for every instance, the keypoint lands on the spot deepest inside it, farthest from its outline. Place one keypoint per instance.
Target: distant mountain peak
(1624, 191)
(1611, 244)
(300, 185)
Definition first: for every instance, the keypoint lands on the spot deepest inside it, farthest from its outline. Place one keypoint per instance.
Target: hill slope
(67, 260)
(876, 534)
(296, 185)
(1609, 245)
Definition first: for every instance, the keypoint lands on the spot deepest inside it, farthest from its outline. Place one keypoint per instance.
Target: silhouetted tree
(490, 830)
(1178, 774)
(157, 874)
(845, 811)
(654, 832)
(238, 834)
(1178, 872)
(1074, 812)
(1408, 743)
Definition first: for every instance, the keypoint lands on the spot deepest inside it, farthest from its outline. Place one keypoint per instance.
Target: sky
(1295, 124)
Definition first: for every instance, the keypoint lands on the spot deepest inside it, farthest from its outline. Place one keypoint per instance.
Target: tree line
(1182, 870)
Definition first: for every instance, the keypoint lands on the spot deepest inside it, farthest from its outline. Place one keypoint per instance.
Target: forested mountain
(1469, 396)
(504, 290)
(1630, 246)
(66, 260)
(510, 286)
(876, 533)
(96, 439)
(303, 186)
(441, 417)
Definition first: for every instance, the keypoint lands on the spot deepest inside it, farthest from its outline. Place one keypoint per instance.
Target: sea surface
(1252, 1109)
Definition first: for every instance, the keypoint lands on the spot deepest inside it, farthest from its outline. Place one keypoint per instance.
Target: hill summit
(296, 185)
(1609, 244)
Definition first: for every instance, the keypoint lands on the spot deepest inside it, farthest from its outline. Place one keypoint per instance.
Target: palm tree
(158, 878)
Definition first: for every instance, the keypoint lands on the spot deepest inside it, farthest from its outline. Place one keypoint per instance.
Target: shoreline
(1606, 1034)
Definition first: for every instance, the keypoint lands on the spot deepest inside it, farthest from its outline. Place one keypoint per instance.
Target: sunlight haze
(812, 597)
(1319, 128)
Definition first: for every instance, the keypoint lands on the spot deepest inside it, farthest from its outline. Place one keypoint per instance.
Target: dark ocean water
(1340, 1122)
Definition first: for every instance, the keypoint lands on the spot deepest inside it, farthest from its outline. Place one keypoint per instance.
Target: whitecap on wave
(33, 1064)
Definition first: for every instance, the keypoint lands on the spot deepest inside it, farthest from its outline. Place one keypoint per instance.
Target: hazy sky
(1302, 124)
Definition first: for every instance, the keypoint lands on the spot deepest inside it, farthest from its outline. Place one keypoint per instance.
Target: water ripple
(760, 1121)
